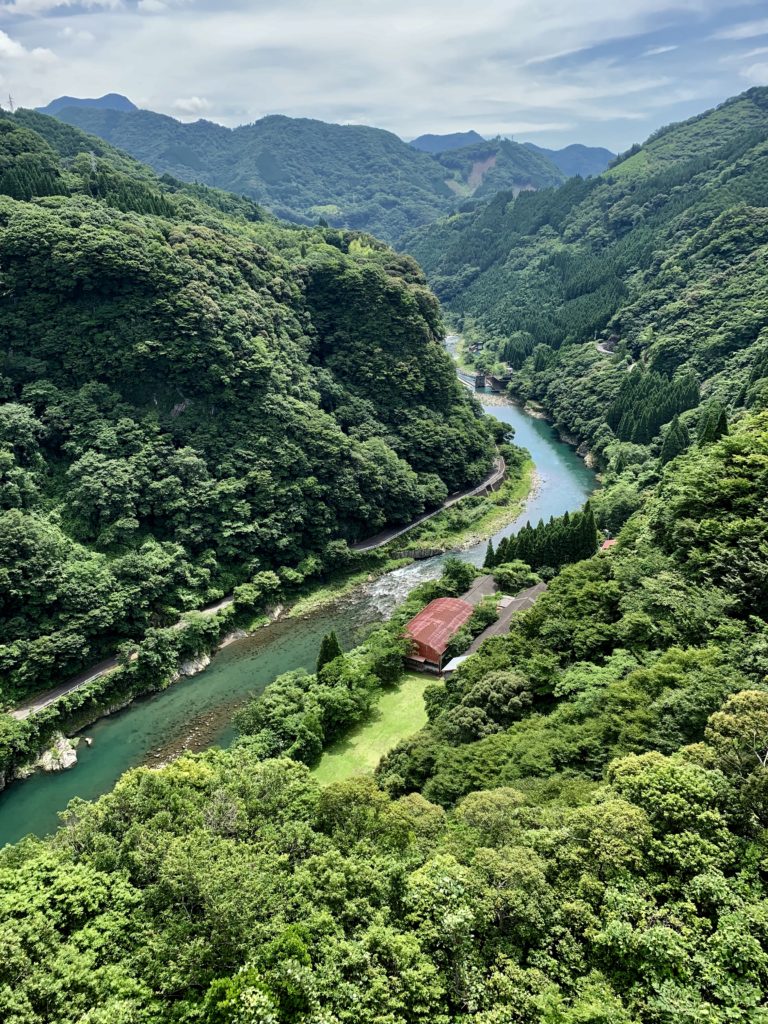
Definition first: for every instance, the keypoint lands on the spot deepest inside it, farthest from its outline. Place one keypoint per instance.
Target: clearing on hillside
(400, 713)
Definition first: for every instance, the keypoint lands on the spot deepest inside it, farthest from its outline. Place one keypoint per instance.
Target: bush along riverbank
(159, 658)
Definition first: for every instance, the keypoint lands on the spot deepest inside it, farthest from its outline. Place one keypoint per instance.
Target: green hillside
(193, 396)
(487, 167)
(578, 834)
(350, 176)
(559, 263)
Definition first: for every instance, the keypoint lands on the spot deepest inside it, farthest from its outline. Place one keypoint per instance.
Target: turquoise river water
(196, 713)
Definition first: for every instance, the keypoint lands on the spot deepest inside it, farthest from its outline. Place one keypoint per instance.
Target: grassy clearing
(400, 713)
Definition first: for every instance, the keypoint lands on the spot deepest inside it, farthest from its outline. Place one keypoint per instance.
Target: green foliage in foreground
(192, 398)
(578, 835)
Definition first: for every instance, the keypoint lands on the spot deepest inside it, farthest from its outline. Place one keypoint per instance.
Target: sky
(602, 72)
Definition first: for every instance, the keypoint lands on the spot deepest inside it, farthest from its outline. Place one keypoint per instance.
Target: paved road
(385, 536)
(43, 700)
(525, 600)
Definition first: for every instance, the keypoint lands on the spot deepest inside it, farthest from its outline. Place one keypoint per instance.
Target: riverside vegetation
(195, 399)
(579, 833)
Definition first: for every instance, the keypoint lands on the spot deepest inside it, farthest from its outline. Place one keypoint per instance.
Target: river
(197, 712)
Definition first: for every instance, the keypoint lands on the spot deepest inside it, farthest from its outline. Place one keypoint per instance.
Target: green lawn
(399, 713)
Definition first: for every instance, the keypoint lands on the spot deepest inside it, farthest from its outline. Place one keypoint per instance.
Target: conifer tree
(713, 423)
(490, 556)
(330, 648)
(676, 440)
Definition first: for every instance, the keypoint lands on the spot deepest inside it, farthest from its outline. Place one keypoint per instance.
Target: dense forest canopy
(350, 176)
(578, 835)
(193, 394)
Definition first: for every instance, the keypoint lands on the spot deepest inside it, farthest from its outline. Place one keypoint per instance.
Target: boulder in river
(59, 756)
(192, 666)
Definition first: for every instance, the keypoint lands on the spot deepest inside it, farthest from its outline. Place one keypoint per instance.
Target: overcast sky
(603, 72)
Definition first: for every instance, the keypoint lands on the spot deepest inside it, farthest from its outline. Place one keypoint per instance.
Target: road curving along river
(197, 712)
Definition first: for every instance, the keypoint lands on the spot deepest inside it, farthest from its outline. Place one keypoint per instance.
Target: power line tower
(10, 104)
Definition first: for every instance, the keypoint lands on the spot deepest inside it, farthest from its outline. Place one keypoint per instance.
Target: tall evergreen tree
(330, 648)
(490, 556)
(676, 440)
(713, 423)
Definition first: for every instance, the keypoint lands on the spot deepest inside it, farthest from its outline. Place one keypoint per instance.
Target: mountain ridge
(109, 101)
(303, 169)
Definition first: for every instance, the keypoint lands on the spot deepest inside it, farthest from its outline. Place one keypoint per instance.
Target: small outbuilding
(432, 630)
(608, 544)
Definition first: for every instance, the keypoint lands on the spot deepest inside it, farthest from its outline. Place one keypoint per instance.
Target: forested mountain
(493, 165)
(576, 160)
(192, 395)
(631, 307)
(660, 257)
(303, 170)
(577, 836)
(111, 101)
(442, 143)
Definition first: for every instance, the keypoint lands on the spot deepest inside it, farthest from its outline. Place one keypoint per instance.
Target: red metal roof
(608, 544)
(437, 624)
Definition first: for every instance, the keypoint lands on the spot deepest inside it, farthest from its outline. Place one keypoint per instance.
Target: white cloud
(545, 58)
(192, 105)
(406, 65)
(36, 7)
(746, 30)
(11, 49)
(656, 50)
(756, 74)
(77, 35)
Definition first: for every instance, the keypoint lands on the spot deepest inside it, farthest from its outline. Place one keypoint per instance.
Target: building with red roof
(433, 629)
(608, 544)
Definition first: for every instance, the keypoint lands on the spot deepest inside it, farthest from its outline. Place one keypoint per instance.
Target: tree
(330, 649)
(490, 555)
(676, 440)
(713, 423)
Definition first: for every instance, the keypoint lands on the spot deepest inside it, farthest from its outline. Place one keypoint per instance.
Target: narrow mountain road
(524, 600)
(43, 700)
(491, 481)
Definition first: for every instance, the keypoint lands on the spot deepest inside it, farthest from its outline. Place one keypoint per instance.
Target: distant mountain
(112, 101)
(444, 143)
(303, 170)
(584, 161)
(492, 165)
